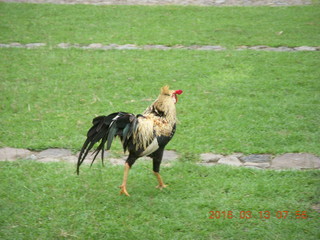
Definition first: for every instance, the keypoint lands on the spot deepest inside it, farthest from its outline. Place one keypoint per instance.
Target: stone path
(65, 155)
(175, 2)
(299, 161)
(99, 46)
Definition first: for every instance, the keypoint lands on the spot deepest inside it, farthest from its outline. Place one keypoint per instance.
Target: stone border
(19, 45)
(219, 3)
(99, 46)
(65, 155)
(298, 161)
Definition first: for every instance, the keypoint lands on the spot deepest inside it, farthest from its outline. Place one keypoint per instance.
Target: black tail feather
(104, 129)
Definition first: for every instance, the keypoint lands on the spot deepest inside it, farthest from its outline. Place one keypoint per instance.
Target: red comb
(178, 92)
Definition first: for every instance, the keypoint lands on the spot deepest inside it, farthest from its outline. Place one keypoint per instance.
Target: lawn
(233, 101)
(169, 25)
(48, 201)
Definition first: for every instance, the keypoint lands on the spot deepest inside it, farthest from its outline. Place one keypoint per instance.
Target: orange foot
(123, 190)
(161, 186)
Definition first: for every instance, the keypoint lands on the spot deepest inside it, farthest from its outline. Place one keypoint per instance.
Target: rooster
(141, 135)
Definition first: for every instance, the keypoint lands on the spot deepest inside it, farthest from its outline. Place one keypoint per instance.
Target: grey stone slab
(295, 161)
(230, 160)
(210, 157)
(305, 48)
(35, 45)
(54, 153)
(170, 155)
(257, 158)
(257, 165)
(11, 154)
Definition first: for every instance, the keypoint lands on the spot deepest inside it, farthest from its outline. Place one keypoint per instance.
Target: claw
(124, 191)
(161, 186)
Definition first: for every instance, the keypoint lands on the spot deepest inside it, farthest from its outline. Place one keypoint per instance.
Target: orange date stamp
(258, 214)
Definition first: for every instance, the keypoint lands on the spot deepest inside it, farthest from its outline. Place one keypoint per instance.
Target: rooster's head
(165, 92)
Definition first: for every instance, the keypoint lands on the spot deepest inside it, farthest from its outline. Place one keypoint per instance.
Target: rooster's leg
(161, 184)
(123, 186)
(157, 157)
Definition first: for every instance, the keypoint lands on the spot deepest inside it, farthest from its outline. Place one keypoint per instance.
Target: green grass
(233, 101)
(48, 201)
(251, 102)
(170, 25)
